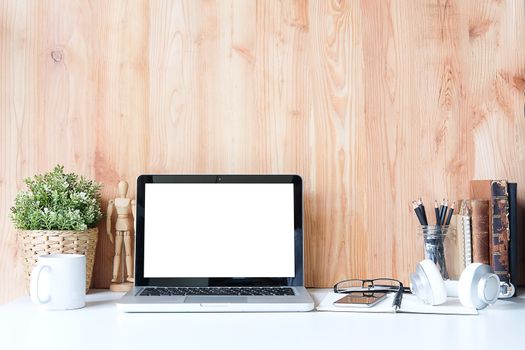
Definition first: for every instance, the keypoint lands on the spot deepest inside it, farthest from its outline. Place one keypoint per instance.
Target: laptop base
(132, 302)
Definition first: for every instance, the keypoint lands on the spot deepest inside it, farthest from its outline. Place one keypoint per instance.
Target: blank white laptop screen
(218, 230)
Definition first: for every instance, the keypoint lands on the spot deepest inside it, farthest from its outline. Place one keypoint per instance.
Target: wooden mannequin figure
(122, 204)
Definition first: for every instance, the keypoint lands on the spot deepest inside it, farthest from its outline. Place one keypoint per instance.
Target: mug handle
(33, 285)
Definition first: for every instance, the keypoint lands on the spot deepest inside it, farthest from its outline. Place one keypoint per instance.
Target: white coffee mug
(58, 281)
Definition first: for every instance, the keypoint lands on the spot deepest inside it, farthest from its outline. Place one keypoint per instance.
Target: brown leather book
(480, 231)
(499, 230)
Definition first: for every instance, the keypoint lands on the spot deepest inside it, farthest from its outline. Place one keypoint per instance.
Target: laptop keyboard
(255, 291)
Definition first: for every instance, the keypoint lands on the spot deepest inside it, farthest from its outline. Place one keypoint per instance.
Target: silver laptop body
(218, 243)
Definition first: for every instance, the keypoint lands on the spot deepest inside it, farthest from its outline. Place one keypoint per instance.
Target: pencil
(418, 212)
(441, 207)
(420, 203)
(451, 210)
(445, 207)
(436, 211)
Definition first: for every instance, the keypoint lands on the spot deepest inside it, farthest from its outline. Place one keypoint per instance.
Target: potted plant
(58, 213)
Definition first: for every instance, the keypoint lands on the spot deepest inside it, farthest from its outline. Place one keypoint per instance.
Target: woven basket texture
(34, 243)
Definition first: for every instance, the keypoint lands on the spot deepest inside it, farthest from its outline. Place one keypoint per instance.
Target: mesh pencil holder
(34, 243)
(437, 244)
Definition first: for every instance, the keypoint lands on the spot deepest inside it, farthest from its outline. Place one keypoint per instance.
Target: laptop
(218, 243)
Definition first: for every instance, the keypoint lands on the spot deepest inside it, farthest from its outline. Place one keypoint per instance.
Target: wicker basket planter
(34, 243)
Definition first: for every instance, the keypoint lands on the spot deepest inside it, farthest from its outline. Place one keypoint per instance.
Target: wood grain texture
(373, 102)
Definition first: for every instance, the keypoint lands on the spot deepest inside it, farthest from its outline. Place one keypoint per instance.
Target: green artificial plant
(57, 201)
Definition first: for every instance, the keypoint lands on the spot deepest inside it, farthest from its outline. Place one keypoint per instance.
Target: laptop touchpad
(215, 299)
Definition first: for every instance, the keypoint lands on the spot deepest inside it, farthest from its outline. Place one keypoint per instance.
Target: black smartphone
(360, 299)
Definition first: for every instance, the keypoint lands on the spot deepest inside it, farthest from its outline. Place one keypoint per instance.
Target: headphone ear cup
(466, 292)
(427, 283)
(478, 286)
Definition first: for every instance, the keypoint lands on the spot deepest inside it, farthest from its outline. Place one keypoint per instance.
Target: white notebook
(409, 304)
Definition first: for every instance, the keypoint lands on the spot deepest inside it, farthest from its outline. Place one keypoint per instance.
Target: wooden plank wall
(373, 102)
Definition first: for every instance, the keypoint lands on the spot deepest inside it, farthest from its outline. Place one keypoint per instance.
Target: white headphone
(477, 287)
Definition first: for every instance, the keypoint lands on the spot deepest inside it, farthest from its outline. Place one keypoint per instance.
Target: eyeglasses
(384, 285)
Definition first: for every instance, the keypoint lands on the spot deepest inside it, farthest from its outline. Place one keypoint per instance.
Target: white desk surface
(101, 326)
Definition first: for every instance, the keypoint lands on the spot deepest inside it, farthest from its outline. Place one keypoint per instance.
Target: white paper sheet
(410, 304)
